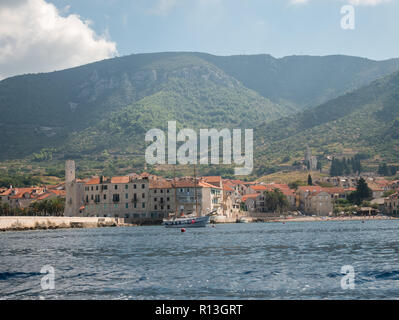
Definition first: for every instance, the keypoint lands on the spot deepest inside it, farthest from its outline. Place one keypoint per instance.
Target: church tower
(70, 188)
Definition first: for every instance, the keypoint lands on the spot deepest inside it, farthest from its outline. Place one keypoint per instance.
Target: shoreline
(317, 219)
(20, 223)
(28, 223)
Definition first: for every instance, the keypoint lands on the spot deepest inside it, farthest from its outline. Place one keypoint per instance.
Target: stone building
(137, 196)
(319, 203)
(120, 197)
(391, 204)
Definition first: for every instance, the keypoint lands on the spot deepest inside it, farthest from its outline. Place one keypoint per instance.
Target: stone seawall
(33, 223)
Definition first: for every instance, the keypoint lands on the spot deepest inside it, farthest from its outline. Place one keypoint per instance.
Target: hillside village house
(391, 204)
(303, 194)
(231, 202)
(343, 182)
(146, 196)
(21, 198)
(318, 203)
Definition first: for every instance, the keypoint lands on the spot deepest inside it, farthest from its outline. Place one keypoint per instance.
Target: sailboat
(193, 220)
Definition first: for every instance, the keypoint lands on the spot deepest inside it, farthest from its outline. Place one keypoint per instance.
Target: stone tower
(70, 201)
(310, 159)
(69, 171)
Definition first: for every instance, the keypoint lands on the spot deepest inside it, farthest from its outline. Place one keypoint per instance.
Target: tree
(310, 182)
(363, 192)
(275, 200)
(383, 169)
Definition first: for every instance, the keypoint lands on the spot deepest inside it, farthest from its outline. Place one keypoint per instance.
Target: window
(155, 207)
(105, 197)
(135, 205)
(97, 188)
(116, 187)
(126, 187)
(127, 206)
(92, 197)
(161, 191)
(134, 186)
(115, 197)
(168, 207)
(155, 190)
(92, 188)
(155, 199)
(126, 196)
(143, 195)
(167, 191)
(143, 186)
(104, 187)
(87, 198)
(167, 199)
(143, 205)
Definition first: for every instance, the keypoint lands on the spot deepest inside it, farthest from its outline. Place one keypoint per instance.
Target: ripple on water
(237, 261)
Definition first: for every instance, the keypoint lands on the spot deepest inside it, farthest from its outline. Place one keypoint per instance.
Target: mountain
(107, 106)
(303, 81)
(364, 121)
(44, 110)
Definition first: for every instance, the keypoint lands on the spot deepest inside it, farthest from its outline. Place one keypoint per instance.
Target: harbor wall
(30, 223)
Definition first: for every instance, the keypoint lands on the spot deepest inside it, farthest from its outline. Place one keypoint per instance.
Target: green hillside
(365, 121)
(303, 81)
(45, 110)
(100, 112)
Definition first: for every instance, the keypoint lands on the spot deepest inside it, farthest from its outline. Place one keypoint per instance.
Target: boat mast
(195, 193)
(174, 187)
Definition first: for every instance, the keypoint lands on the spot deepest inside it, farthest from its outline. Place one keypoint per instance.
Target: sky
(48, 35)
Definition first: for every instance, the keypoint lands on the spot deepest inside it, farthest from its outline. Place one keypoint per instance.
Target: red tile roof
(227, 188)
(250, 196)
(208, 185)
(6, 193)
(259, 188)
(212, 179)
(124, 179)
(161, 184)
(93, 181)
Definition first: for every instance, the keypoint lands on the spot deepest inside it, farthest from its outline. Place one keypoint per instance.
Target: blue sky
(48, 35)
(226, 27)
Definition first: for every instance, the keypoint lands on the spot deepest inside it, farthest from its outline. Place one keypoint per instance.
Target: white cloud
(34, 37)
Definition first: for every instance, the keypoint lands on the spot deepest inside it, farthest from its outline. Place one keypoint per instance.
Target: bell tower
(69, 188)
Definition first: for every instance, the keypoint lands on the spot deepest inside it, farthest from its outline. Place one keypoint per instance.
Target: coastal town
(145, 198)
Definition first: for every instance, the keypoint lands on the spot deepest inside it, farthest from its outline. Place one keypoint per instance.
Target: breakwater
(18, 223)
